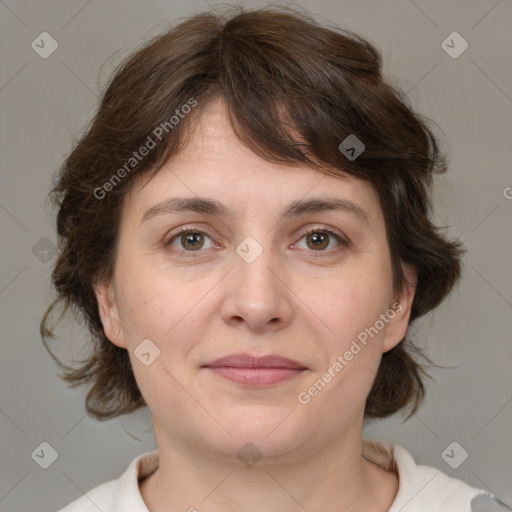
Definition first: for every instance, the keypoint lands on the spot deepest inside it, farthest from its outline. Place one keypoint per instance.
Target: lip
(255, 371)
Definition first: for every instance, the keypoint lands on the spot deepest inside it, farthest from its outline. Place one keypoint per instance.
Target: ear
(109, 313)
(397, 326)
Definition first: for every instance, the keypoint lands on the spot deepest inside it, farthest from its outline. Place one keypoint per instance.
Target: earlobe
(398, 325)
(109, 314)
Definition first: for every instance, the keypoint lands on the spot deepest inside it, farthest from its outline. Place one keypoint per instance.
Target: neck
(334, 478)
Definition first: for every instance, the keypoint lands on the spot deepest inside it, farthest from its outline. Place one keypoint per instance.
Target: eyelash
(317, 229)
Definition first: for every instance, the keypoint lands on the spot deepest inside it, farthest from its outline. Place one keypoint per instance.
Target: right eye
(191, 240)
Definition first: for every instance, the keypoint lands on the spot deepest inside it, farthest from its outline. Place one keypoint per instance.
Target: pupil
(318, 239)
(192, 239)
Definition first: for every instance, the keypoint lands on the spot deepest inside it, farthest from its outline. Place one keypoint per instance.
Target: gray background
(47, 102)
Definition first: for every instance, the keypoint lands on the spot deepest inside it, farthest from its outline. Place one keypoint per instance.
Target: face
(256, 274)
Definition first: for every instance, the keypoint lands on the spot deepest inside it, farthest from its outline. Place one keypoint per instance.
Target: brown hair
(294, 91)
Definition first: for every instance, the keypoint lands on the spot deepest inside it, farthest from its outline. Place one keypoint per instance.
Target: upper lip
(248, 361)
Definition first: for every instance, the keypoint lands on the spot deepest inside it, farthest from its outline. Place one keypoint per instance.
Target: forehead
(216, 164)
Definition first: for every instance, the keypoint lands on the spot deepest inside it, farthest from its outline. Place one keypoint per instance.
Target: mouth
(255, 371)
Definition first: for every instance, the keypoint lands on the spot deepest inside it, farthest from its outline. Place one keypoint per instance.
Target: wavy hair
(294, 90)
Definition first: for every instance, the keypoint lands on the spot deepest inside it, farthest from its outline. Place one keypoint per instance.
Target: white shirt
(421, 488)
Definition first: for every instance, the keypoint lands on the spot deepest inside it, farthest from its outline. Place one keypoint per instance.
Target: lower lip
(256, 376)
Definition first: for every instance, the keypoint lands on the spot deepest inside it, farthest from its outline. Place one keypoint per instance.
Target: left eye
(319, 239)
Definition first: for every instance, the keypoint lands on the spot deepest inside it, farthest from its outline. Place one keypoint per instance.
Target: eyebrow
(209, 206)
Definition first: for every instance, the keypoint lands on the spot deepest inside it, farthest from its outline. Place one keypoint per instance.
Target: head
(250, 110)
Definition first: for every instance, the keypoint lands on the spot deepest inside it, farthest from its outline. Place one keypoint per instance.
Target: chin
(266, 431)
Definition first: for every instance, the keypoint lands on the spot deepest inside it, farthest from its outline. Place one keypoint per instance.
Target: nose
(257, 295)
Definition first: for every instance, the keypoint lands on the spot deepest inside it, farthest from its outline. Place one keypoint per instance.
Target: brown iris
(195, 240)
(320, 240)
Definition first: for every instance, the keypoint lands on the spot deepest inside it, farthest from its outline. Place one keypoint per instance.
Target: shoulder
(120, 495)
(425, 488)
(100, 497)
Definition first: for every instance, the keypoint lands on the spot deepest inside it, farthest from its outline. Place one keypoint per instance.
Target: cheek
(149, 307)
(351, 301)
(160, 310)
(352, 351)
(361, 300)
(167, 309)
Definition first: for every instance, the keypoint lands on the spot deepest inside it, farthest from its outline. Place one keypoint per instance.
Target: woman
(245, 229)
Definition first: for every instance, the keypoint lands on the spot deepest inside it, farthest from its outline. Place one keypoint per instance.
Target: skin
(295, 300)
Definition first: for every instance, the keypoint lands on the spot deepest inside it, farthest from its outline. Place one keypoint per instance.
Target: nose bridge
(256, 281)
(256, 292)
(256, 277)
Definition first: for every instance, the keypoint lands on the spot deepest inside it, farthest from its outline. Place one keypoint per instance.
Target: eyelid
(326, 229)
(342, 239)
(195, 229)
